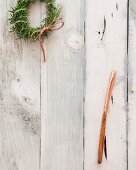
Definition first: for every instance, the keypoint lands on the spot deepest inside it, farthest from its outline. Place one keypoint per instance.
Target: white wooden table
(50, 114)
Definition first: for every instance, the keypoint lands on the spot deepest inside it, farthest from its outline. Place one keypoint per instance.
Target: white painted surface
(51, 113)
(132, 87)
(106, 50)
(20, 98)
(62, 93)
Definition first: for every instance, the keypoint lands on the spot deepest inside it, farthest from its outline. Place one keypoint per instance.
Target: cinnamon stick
(103, 124)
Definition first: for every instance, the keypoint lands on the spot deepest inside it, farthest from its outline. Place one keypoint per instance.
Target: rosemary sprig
(20, 23)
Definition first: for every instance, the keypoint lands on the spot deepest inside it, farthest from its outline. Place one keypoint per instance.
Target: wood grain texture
(62, 93)
(132, 87)
(48, 121)
(20, 98)
(106, 49)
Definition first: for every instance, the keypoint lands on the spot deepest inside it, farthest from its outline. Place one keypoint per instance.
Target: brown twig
(103, 124)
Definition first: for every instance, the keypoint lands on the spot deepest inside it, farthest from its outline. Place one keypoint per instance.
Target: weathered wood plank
(62, 93)
(132, 87)
(20, 98)
(106, 49)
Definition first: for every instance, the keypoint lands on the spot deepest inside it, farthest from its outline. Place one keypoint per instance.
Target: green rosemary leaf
(20, 22)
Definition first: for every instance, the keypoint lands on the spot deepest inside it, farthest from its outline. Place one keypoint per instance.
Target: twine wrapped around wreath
(21, 25)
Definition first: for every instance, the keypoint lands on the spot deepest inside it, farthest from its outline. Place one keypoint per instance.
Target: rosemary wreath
(21, 25)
